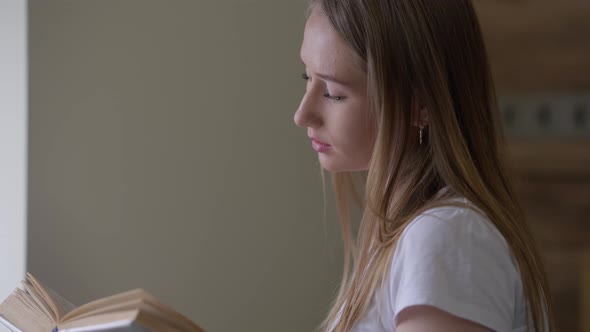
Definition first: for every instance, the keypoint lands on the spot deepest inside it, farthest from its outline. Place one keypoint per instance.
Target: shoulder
(454, 259)
(442, 226)
(457, 239)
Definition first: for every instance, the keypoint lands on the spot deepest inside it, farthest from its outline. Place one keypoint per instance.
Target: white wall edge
(13, 143)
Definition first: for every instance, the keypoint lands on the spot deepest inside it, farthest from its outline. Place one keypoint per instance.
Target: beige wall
(163, 155)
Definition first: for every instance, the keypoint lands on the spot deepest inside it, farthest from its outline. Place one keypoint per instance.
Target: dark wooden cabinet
(553, 183)
(539, 50)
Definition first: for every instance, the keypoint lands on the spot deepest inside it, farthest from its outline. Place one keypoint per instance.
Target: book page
(101, 322)
(58, 305)
(63, 306)
(23, 311)
(8, 326)
(151, 311)
(41, 304)
(124, 321)
(101, 304)
(121, 326)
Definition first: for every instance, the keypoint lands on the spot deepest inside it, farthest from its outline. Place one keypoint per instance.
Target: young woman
(401, 89)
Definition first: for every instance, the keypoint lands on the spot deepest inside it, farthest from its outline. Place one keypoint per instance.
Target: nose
(307, 114)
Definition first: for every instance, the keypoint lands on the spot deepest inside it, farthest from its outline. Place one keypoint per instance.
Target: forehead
(324, 50)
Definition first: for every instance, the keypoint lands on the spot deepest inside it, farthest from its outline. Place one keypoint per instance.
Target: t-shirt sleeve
(455, 260)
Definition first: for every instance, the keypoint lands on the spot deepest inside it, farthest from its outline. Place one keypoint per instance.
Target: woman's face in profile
(335, 108)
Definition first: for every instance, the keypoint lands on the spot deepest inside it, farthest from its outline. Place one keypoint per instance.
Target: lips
(318, 142)
(320, 146)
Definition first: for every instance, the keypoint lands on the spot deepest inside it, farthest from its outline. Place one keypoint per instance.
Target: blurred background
(162, 154)
(540, 57)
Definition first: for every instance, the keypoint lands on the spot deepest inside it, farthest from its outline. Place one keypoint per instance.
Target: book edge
(9, 325)
(101, 327)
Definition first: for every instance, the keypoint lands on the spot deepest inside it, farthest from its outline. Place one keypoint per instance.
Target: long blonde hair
(431, 52)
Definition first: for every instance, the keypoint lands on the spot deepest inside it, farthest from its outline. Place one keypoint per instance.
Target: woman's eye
(334, 98)
(326, 95)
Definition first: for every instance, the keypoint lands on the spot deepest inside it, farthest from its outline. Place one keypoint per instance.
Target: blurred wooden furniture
(537, 45)
(552, 179)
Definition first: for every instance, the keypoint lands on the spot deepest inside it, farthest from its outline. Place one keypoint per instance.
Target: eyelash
(326, 95)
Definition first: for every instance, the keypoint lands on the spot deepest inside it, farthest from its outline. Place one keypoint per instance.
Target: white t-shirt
(454, 259)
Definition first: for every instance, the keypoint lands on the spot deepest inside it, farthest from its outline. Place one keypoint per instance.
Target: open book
(36, 308)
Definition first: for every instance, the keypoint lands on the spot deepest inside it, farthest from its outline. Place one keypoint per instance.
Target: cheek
(363, 139)
(352, 134)
(357, 132)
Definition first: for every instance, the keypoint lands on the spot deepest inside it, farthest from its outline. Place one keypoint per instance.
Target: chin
(331, 169)
(331, 165)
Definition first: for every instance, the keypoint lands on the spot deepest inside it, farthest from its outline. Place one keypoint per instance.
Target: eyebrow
(330, 78)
